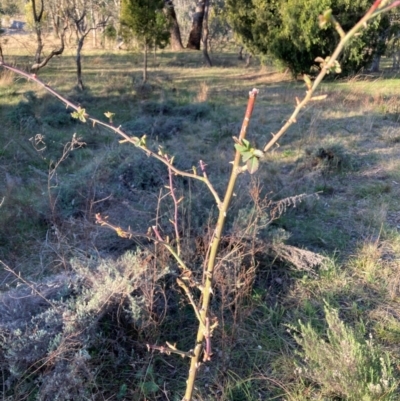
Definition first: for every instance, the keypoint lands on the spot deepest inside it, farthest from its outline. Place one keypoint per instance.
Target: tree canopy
(8, 7)
(146, 21)
(289, 30)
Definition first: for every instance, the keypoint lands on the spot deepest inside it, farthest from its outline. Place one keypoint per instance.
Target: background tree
(197, 26)
(253, 22)
(184, 11)
(35, 18)
(190, 15)
(10, 7)
(289, 31)
(99, 16)
(220, 31)
(205, 33)
(146, 21)
(79, 12)
(393, 40)
(56, 15)
(175, 39)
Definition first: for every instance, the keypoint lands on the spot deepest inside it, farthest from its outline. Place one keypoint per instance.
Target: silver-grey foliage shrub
(47, 328)
(342, 362)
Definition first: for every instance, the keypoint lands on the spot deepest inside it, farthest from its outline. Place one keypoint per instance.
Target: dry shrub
(49, 329)
(234, 275)
(252, 243)
(333, 158)
(300, 259)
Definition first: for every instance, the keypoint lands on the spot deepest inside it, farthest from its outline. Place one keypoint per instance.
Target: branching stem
(133, 140)
(207, 291)
(191, 300)
(123, 233)
(371, 13)
(169, 349)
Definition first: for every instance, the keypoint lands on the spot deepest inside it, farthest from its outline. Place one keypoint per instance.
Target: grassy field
(307, 288)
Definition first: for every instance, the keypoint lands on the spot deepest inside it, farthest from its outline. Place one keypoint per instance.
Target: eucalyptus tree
(193, 21)
(199, 33)
(195, 34)
(175, 32)
(205, 33)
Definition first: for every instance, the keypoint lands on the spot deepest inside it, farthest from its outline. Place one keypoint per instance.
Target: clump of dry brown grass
(203, 93)
(6, 78)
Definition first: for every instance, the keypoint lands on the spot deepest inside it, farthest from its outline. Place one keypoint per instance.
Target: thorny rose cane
(203, 333)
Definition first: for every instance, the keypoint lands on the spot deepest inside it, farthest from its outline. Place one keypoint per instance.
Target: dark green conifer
(289, 31)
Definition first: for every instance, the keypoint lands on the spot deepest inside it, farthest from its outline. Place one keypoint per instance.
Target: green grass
(342, 153)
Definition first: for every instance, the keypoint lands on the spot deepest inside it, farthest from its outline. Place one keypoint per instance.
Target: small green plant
(344, 362)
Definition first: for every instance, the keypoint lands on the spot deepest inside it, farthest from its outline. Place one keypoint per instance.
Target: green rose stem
(203, 333)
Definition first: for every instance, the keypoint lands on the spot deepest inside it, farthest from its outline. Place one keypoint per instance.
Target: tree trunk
(94, 37)
(248, 59)
(39, 47)
(380, 50)
(79, 63)
(197, 26)
(93, 18)
(375, 63)
(55, 52)
(240, 54)
(37, 19)
(394, 50)
(396, 60)
(204, 38)
(145, 63)
(175, 32)
(56, 25)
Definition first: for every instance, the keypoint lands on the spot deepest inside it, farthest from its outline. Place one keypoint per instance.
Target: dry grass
(6, 78)
(202, 95)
